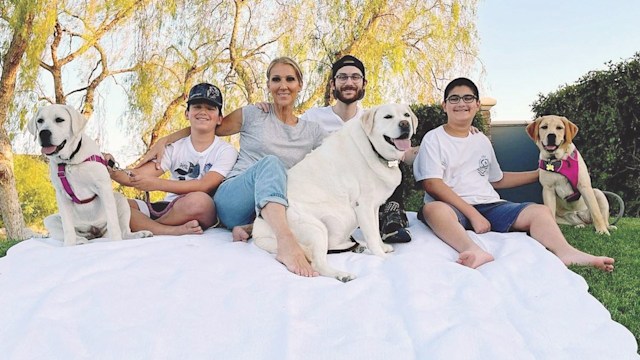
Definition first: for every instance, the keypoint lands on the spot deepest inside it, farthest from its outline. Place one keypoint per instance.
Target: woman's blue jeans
(239, 199)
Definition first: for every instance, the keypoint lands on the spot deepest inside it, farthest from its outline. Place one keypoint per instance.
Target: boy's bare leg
(193, 206)
(444, 223)
(140, 221)
(290, 253)
(542, 226)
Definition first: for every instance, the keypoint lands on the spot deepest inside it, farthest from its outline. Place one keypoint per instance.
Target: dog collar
(390, 163)
(65, 183)
(75, 151)
(568, 168)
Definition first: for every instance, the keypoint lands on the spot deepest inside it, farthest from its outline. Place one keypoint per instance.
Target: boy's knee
(438, 209)
(539, 210)
(195, 204)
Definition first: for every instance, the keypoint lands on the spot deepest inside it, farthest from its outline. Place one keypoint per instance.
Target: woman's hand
(264, 106)
(156, 152)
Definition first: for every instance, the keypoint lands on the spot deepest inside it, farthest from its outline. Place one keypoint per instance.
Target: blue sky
(531, 47)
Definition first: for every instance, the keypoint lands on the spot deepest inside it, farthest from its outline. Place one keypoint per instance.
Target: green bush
(605, 105)
(35, 192)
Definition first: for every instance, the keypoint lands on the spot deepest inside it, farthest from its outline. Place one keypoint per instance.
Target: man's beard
(338, 95)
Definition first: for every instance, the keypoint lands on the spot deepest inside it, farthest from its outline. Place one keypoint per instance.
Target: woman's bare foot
(242, 232)
(474, 258)
(293, 258)
(577, 257)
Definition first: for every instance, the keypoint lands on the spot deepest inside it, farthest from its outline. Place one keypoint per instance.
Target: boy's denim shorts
(500, 214)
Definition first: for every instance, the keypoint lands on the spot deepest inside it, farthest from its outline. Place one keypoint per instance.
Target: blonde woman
(270, 143)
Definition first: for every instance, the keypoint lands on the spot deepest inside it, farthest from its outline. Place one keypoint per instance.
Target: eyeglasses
(454, 99)
(353, 77)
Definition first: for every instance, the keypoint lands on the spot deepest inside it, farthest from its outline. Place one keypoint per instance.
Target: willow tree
(225, 42)
(22, 21)
(410, 48)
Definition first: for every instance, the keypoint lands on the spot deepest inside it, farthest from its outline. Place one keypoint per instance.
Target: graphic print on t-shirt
(483, 166)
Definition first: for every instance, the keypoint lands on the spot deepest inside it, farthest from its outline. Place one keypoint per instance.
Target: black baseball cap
(346, 60)
(205, 92)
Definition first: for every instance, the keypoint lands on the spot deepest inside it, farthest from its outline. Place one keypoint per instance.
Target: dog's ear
(570, 130)
(78, 121)
(32, 126)
(367, 120)
(532, 129)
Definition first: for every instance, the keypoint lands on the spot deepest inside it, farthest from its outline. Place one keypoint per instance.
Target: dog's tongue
(402, 144)
(48, 149)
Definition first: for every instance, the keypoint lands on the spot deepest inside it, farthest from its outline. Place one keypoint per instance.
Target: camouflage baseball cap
(207, 93)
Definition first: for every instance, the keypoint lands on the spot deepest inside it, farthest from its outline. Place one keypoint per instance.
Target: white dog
(88, 207)
(566, 184)
(341, 185)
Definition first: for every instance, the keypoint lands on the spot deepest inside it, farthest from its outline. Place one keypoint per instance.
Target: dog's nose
(405, 129)
(551, 139)
(45, 138)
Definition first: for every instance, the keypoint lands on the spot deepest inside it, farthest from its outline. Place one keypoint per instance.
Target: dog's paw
(139, 234)
(603, 231)
(387, 248)
(579, 226)
(360, 249)
(345, 276)
(612, 227)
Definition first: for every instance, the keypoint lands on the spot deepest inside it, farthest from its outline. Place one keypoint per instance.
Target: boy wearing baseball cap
(197, 166)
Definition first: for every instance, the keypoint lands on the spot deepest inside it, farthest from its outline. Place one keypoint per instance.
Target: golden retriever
(566, 184)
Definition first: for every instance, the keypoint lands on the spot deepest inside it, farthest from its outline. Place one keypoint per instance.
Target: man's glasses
(344, 77)
(454, 99)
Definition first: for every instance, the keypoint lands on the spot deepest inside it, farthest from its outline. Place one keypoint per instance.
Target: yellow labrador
(88, 207)
(341, 185)
(566, 185)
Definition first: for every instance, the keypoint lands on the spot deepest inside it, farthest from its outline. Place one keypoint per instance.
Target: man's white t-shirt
(468, 165)
(185, 163)
(328, 119)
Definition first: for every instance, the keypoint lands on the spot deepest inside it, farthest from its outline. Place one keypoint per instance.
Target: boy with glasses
(459, 173)
(348, 87)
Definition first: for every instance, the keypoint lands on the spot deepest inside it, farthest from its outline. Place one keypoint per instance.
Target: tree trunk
(9, 205)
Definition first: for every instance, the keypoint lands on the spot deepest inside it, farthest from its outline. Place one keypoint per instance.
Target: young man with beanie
(348, 84)
(197, 164)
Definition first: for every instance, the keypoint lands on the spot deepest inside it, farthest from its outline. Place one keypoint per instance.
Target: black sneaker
(393, 223)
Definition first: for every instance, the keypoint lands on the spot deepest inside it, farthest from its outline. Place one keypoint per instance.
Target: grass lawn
(619, 291)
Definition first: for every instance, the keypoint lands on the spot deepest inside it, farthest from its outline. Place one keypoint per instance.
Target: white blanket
(206, 297)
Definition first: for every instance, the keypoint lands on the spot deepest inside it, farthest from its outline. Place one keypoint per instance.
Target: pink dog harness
(67, 186)
(567, 167)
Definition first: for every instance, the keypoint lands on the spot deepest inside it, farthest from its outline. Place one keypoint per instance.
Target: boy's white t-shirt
(328, 119)
(184, 163)
(467, 165)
